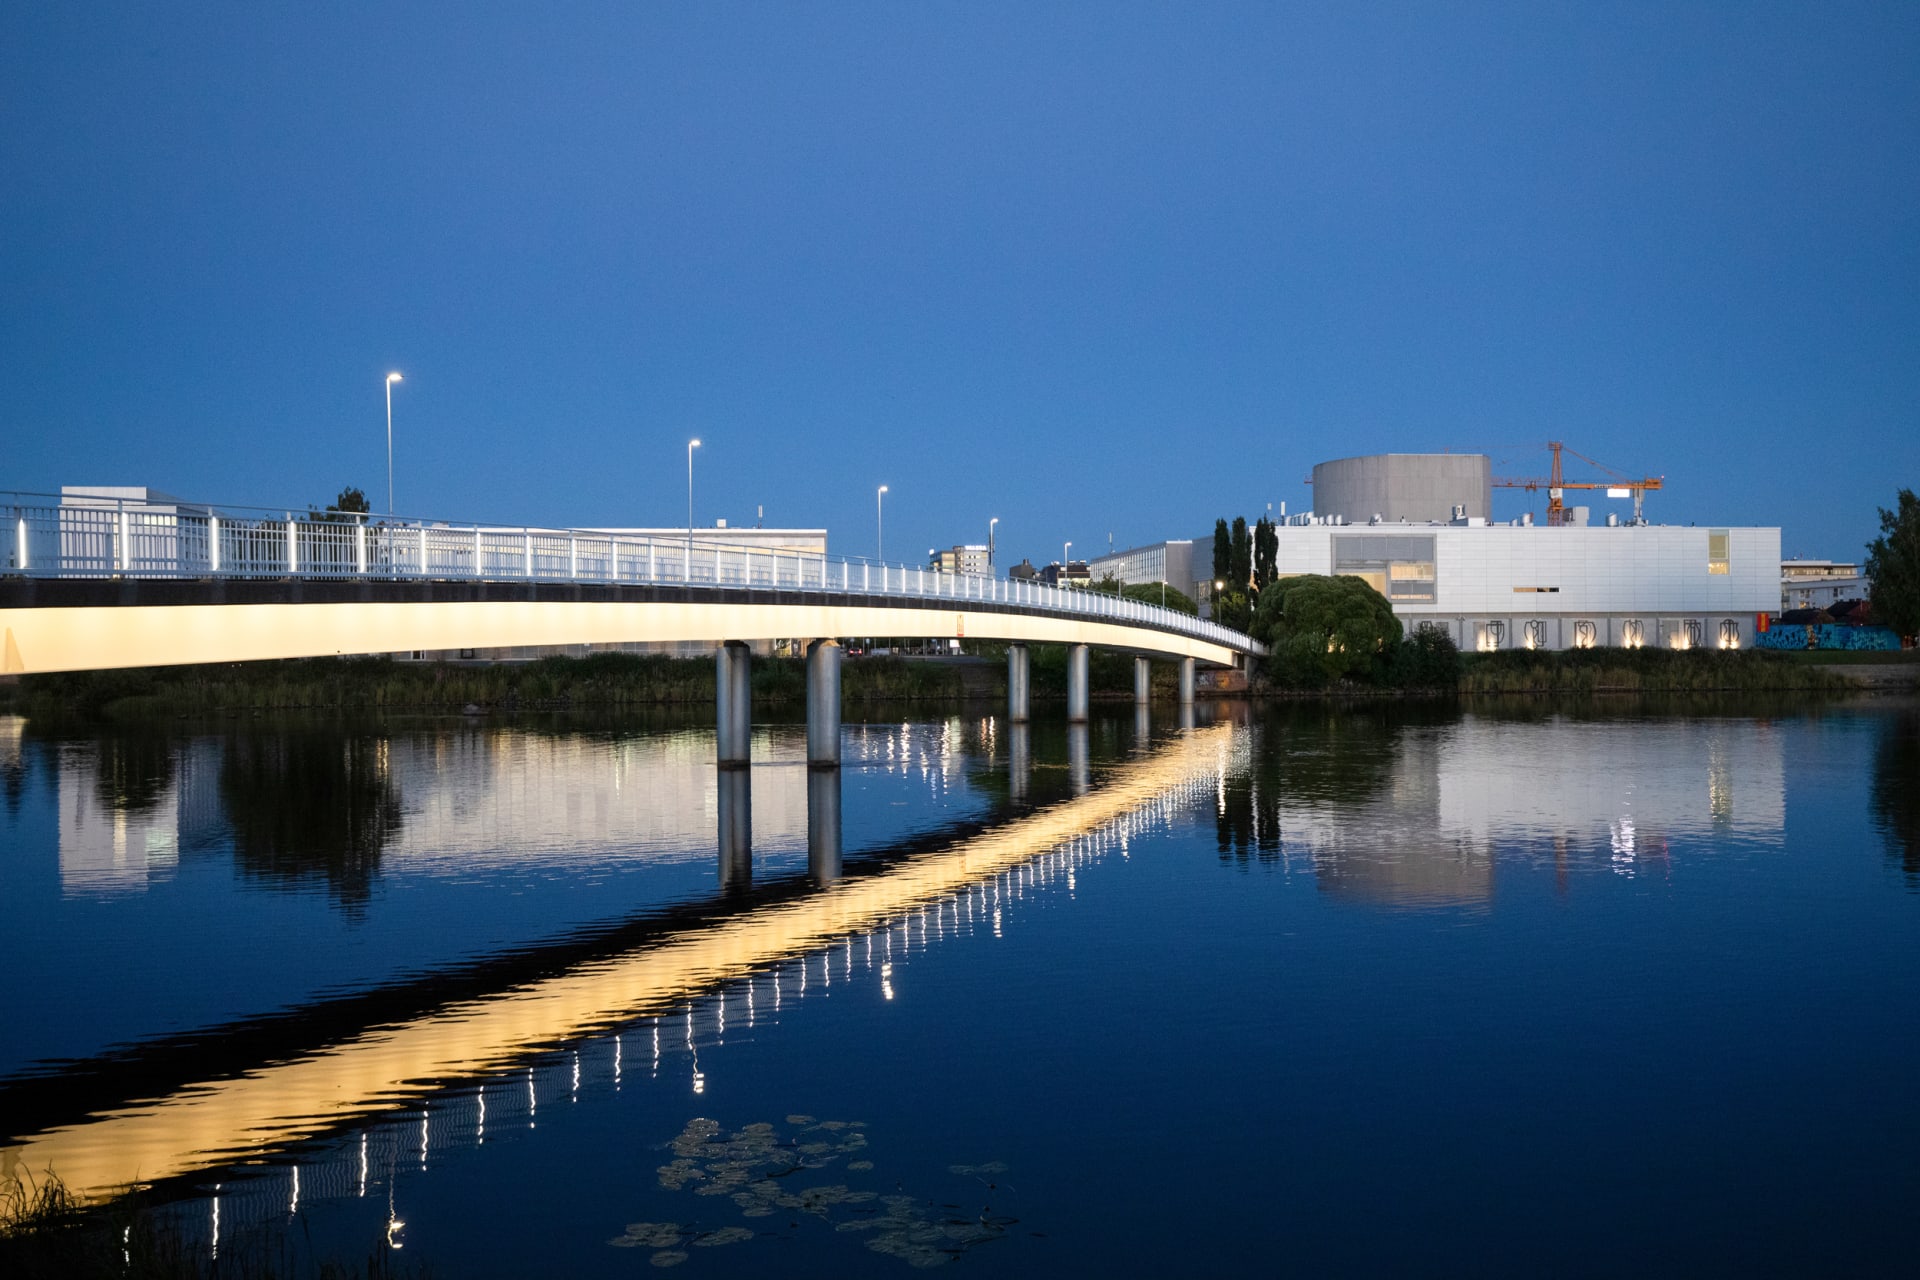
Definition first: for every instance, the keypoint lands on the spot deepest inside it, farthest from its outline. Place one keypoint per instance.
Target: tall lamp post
(880, 525)
(687, 571)
(1066, 558)
(391, 379)
(990, 524)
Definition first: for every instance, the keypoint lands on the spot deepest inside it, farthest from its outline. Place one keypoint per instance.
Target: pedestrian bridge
(99, 583)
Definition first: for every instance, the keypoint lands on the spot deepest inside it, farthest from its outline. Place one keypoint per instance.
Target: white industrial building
(1412, 526)
(1534, 587)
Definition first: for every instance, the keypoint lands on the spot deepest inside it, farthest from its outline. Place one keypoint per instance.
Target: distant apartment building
(1074, 573)
(969, 558)
(1820, 584)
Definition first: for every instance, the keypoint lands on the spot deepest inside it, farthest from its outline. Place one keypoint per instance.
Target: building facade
(1533, 587)
(962, 558)
(1168, 562)
(1417, 487)
(1820, 584)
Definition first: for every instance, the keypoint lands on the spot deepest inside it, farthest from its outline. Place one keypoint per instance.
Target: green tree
(1148, 593)
(351, 502)
(1893, 562)
(1240, 568)
(1329, 628)
(1266, 553)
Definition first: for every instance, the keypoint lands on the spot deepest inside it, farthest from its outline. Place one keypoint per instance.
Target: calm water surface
(1303, 991)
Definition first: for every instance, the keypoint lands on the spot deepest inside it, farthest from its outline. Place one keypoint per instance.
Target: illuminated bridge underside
(84, 626)
(216, 1122)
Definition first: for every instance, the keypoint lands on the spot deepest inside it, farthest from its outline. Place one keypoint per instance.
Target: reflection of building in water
(1421, 818)
(109, 847)
(492, 796)
(1616, 781)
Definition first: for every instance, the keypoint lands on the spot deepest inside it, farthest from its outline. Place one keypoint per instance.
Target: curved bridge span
(122, 584)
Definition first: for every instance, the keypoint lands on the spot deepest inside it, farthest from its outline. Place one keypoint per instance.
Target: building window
(1717, 551)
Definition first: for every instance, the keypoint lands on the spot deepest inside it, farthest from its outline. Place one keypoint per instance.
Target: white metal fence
(119, 538)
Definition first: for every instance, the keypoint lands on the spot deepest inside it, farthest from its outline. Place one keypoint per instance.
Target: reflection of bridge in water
(530, 1004)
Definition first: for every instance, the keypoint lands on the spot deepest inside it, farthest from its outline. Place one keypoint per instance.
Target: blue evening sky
(1100, 268)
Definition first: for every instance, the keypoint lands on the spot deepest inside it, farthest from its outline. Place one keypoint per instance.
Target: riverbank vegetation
(547, 684)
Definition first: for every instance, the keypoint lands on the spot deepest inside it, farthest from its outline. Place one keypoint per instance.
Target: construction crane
(1556, 486)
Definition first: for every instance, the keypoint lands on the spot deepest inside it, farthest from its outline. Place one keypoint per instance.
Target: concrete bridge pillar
(823, 707)
(1076, 683)
(1186, 682)
(733, 698)
(1142, 681)
(823, 825)
(1017, 683)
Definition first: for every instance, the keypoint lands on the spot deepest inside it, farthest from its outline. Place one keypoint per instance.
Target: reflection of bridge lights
(363, 1162)
(216, 1221)
(424, 1113)
(293, 1196)
(533, 1103)
(482, 1128)
(576, 1077)
(886, 979)
(617, 1048)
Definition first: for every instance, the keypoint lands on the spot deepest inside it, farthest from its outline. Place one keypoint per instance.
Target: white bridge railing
(88, 537)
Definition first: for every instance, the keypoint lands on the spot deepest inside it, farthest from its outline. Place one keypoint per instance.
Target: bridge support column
(1142, 681)
(1186, 682)
(1017, 683)
(823, 824)
(823, 707)
(1076, 683)
(733, 698)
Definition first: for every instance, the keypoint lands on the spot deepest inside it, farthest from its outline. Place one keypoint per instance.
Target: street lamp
(880, 525)
(391, 379)
(687, 572)
(990, 524)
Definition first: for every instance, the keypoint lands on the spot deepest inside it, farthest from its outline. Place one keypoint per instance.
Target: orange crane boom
(1555, 485)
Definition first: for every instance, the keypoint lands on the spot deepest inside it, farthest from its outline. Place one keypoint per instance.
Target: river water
(1500, 991)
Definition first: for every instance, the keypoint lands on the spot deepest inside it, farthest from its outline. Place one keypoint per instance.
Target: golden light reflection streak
(216, 1122)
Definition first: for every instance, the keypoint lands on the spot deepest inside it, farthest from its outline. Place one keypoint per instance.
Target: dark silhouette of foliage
(1893, 562)
(1325, 629)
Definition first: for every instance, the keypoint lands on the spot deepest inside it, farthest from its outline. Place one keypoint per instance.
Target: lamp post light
(391, 379)
(880, 524)
(687, 571)
(990, 524)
